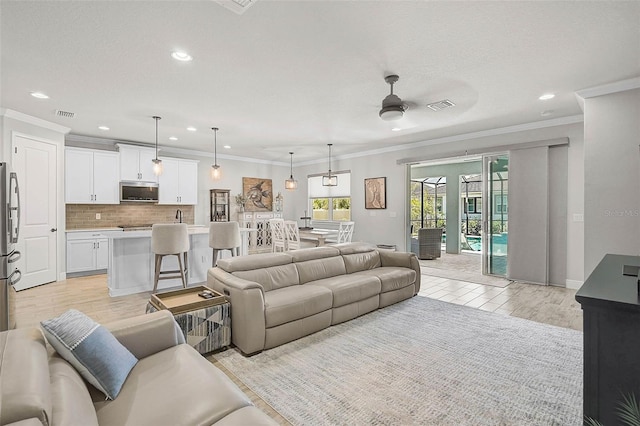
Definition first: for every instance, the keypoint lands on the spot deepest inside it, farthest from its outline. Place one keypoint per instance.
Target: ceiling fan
(392, 106)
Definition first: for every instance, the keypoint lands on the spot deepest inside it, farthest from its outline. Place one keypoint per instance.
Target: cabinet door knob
(54, 229)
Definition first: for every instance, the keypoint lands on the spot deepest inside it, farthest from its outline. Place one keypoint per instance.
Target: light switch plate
(98, 216)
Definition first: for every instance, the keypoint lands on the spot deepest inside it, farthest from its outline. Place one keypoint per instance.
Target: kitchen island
(131, 261)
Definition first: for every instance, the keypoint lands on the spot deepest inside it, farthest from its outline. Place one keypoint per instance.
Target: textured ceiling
(295, 75)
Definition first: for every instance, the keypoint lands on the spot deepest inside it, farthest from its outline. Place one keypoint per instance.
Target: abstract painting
(259, 194)
(375, 193)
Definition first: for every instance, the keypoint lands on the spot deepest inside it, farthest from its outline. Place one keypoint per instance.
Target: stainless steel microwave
(139, 192)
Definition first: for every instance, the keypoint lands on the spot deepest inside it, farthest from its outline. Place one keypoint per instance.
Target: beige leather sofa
(279, 297)
(172, 384)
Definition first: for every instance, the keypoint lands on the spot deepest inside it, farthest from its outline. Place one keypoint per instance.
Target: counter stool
(170, 239)
(224, 236)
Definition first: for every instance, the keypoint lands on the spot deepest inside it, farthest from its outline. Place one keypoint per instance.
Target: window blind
(343, 189)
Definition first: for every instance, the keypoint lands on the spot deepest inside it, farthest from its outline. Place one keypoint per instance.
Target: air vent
(237, 6)
(440, 105)
(65, 114)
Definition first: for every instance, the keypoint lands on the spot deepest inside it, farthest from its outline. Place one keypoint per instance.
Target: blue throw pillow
(92, 350)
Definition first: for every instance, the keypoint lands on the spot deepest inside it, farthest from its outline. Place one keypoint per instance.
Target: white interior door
(34, 162)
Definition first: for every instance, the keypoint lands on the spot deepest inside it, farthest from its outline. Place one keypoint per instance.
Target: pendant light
(291, 184)
(329, 179)
(157, 163)
(216, 172)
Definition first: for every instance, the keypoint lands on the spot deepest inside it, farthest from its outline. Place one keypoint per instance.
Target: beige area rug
(461, 267)
(422, 362)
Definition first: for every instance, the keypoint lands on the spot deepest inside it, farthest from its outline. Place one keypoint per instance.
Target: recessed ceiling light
(191, 129)
(396, 129)
(39, 95)
(173, 138)
(181, 56)
(227, 147)
(103, 128)
(547, 96)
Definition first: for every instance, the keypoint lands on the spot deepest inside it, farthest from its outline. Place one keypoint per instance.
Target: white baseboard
(574, 284)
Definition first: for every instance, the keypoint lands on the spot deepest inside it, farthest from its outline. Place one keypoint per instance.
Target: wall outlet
(98, 216)
(578, 217)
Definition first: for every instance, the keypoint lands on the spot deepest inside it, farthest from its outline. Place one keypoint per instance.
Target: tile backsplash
(83, 216)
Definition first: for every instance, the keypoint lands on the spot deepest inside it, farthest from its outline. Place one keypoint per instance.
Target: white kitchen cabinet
(91, 176)
(178, 183)
(136, 163)
(87, 251)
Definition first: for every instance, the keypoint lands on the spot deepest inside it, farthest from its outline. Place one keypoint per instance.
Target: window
(320, 208)
(330, 203)
(501, 203)
(474, 205)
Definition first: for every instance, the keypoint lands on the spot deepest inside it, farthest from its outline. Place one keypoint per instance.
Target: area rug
(422, 361)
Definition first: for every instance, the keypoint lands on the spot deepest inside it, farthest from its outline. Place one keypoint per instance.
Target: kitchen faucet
(179, 215)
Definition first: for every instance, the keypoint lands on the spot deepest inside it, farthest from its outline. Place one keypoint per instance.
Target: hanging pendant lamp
(216, 171)
(291, 184)
(157, 163)
(329, 179)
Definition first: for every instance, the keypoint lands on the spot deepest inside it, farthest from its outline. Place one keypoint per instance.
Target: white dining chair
(345, 232)
(278, 237)
(293, 234)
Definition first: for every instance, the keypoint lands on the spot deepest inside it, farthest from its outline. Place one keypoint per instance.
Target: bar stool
(224, 236)
(170, 239)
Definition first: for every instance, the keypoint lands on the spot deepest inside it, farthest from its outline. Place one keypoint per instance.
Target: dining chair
(292, 234)
(345, 232)
(278, 238)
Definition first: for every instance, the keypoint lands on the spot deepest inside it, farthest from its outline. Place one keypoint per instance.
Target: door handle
(54, 229)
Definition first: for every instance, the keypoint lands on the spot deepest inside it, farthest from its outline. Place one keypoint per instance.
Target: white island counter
(131, 261)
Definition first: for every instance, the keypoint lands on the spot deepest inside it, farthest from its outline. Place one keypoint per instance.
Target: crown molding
(572, 119)
(607, 89)
(110, 143)
(15, 115)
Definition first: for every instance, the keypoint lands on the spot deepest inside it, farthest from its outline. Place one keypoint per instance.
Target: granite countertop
(191, 229)
(94, 229)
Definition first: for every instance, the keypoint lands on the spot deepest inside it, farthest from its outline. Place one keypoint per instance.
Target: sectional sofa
(171, 384)
(279, 297)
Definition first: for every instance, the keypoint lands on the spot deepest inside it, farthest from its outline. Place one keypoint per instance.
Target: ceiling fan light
(392, 113)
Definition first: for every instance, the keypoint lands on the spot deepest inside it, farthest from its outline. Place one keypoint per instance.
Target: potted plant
(240, 202)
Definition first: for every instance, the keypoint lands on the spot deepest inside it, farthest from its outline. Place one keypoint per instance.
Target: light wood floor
(550, 305)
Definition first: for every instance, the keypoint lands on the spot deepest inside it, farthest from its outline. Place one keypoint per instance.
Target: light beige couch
(279, 297)
(172, 384)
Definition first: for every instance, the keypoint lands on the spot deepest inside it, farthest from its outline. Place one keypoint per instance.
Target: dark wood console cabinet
(611, 311)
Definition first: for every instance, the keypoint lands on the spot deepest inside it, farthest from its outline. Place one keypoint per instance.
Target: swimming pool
(499, 243)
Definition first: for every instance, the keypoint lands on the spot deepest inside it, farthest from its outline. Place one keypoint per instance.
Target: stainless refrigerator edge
(9, 229)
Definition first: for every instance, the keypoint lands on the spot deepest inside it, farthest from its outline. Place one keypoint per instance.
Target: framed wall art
(375, 193)
(259, 194)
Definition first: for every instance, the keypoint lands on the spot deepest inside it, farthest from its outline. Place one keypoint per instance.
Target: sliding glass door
(495, 214)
